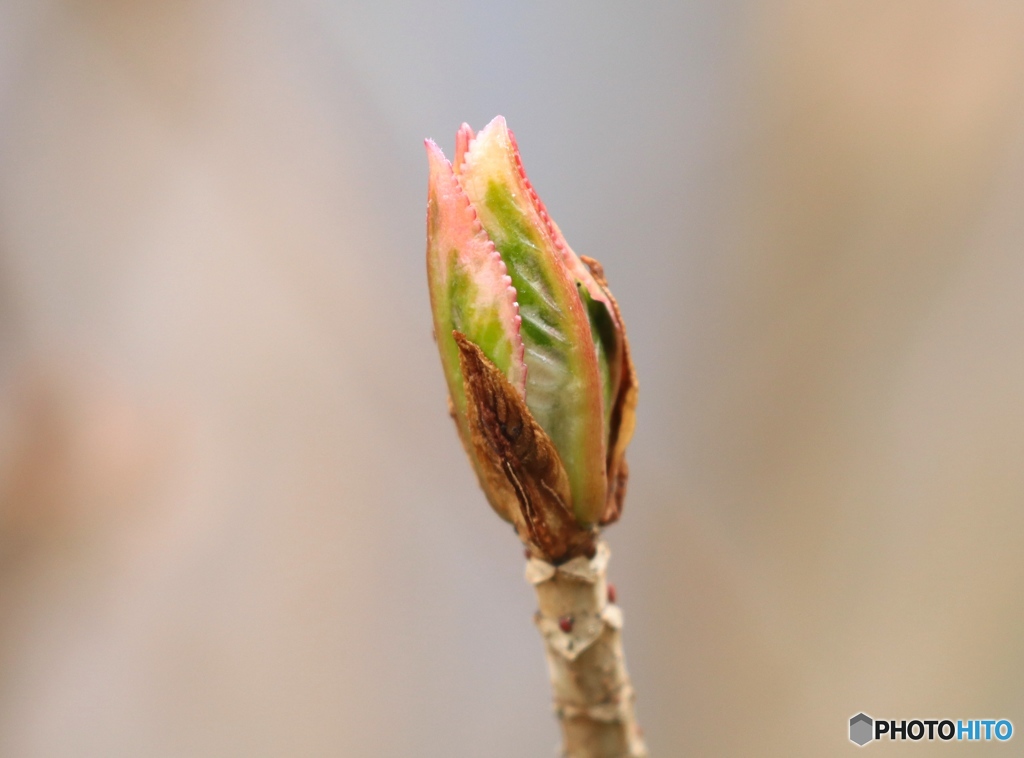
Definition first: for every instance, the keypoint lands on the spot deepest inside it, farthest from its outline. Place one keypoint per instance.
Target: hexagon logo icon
(861, 729)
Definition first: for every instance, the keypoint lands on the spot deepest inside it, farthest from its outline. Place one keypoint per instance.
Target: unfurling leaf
(512, 302)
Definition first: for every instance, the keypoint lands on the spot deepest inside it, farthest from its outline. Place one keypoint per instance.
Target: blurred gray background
(235, 519)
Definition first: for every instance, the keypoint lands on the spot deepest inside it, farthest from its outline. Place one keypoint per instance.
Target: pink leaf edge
(472, 234)
(569, 257)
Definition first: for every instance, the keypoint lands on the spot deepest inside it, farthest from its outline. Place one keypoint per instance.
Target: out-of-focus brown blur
(235, 518)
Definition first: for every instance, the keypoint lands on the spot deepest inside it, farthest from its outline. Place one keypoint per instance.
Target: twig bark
(582, 630)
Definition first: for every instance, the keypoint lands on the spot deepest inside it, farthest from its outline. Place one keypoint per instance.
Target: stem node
(593, 697)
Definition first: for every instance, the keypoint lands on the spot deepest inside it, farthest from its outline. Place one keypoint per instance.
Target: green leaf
(470, 289)
(563, 382)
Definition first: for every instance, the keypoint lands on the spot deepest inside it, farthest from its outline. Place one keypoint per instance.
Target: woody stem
(582, 631)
